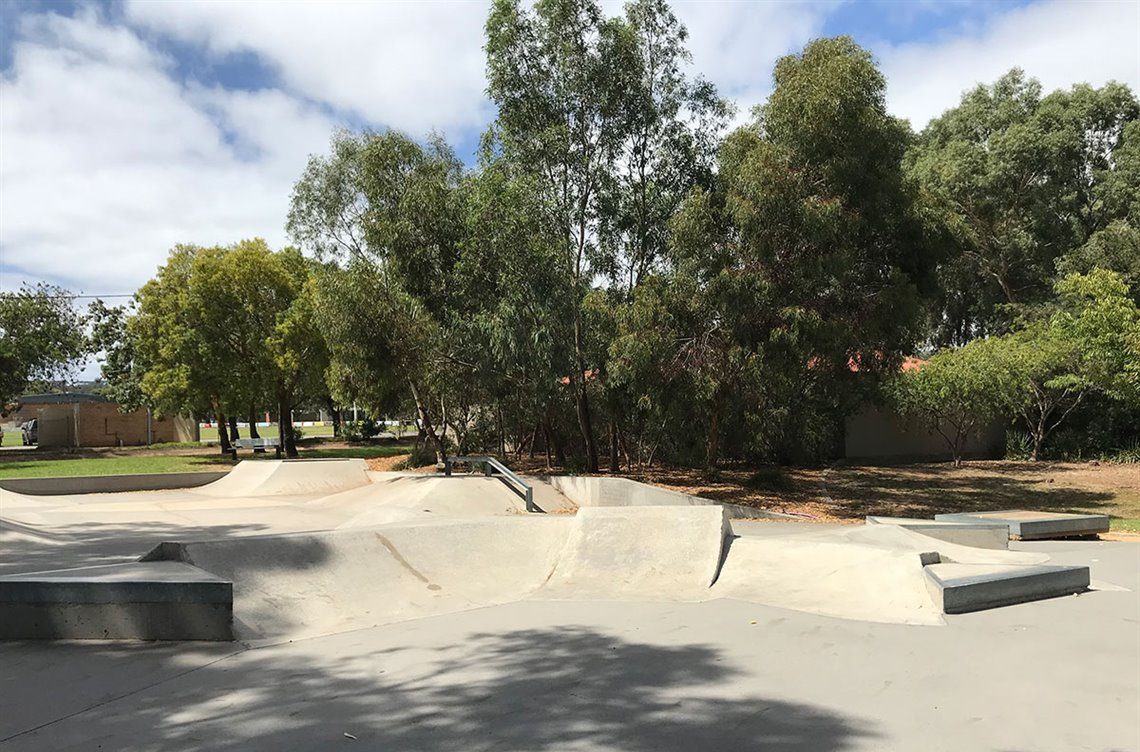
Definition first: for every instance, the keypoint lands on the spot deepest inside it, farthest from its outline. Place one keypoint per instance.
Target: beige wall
(878, 433)
(95, 424)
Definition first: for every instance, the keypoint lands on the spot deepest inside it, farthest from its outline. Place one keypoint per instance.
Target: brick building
(75, 419)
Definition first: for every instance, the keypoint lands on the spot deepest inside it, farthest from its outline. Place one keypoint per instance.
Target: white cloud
(106, 161)
(1060, 42)
(407, 65)
(736, 44)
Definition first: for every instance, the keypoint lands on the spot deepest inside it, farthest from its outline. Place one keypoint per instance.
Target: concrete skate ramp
(670, 553)
(289, 477)
(871, 573)
(595, 491)
(299, 585)
(472, 495)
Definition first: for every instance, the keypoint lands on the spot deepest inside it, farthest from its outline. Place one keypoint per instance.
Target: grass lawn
(211, 434)
(108, 465)
(144, 460)
(12, 437)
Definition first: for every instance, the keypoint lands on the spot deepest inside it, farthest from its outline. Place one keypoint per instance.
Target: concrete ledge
(962, 588)
(596, 491)
(994, 535)
(138, 601)
(1026, 525)
(79, 484)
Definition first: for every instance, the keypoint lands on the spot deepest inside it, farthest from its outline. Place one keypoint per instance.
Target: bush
(1127, 456)
(360, 430)
(1018, 445)
(422, 454)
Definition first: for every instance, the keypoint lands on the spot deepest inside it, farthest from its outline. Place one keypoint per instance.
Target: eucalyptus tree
(561, 75)
(112, 337)
(386, 214)
(805, 258)
(182, 372)
(671, 126)
(1020, 178)
(41, 337)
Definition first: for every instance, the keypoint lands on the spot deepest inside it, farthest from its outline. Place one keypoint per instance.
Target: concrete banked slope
(289, 477)
(404, 551)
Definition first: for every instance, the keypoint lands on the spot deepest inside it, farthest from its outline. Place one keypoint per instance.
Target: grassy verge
(211, 434)
(144, 460)
(1125, 525)
(37, 468)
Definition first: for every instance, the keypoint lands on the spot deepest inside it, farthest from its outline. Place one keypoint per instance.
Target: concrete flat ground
(1058, 675)
(541, 674)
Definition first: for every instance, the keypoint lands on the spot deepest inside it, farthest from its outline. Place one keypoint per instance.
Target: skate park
(303, 604)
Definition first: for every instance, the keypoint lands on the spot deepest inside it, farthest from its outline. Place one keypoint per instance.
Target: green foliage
(41, 338)
(1016, 179)
(955, 393)
(1101, 322)
(111, 335)
(224, 330)
(615, 271)
(1115, 248)
(360, 430)
(803, 259)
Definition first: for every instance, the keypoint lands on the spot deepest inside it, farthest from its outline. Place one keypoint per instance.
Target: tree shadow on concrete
(30, 548)
(535, 689)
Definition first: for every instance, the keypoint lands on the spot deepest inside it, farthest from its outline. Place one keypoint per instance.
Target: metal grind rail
(490, 467)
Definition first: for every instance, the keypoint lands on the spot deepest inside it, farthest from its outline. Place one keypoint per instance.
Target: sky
(129, 126)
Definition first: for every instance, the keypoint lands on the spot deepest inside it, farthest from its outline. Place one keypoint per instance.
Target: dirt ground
(848, 493)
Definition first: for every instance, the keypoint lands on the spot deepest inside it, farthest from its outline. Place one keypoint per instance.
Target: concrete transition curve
(390, 547)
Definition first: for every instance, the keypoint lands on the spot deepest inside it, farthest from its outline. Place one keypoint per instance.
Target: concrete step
(993, 535)
(160, 600)
(1028, 525)
(961, 588)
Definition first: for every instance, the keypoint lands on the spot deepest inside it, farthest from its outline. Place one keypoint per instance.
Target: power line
(70, 296)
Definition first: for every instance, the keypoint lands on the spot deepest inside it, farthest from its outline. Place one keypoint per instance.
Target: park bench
(256, 445)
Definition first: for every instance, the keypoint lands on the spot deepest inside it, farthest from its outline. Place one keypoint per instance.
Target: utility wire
(70, 296)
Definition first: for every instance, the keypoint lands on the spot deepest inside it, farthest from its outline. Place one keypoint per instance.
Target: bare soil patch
(848, 493)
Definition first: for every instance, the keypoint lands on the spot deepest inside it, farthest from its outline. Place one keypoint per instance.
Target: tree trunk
(712, 445)
(1038, 441)
(552, 440)
(285, 426)
(253, 433)
(582, 400)
(234, 435)
(615, 466)
(223, 434)
(334, 413)
(426, 427)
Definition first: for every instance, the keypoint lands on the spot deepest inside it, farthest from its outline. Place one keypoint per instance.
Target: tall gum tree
(1017, 179)
(807, 256)
(386, 213)
(561, 76)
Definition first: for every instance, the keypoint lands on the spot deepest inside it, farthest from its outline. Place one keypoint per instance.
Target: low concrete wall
(595, 491)
(107, 483)
(977, 534)
(138, 601)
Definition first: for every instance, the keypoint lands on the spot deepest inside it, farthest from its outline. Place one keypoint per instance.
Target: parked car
(29, 433)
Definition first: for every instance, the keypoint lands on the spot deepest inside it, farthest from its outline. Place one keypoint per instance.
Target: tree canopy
(615, 275)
